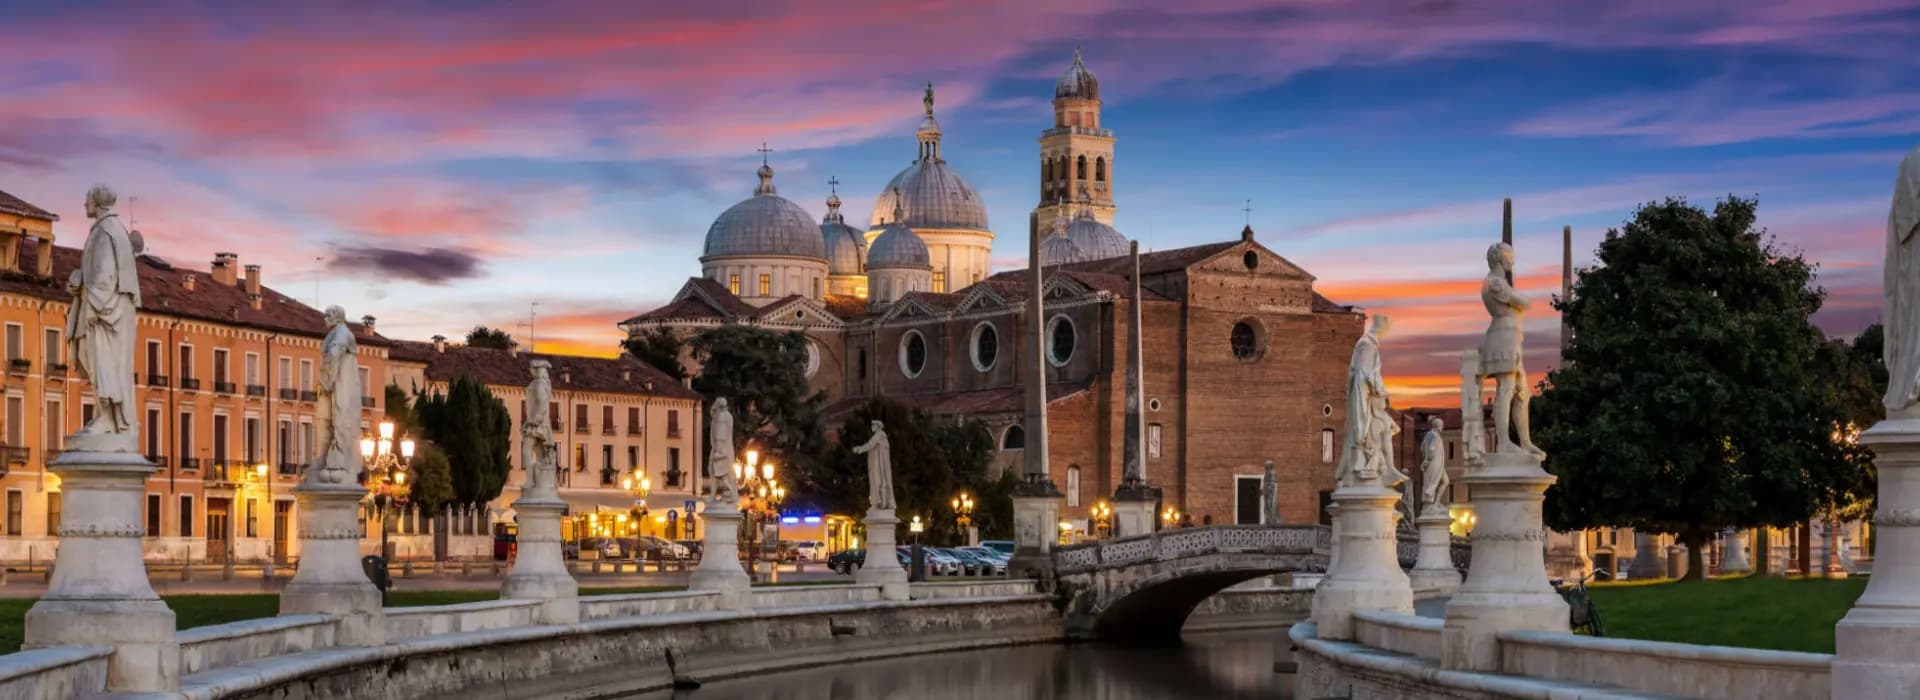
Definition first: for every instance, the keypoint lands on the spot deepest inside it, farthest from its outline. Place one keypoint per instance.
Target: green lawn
(1760, 612)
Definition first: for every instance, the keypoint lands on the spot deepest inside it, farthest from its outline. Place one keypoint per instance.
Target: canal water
(1226, 665)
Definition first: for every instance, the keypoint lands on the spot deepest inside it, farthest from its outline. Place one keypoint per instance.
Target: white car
(810, 550)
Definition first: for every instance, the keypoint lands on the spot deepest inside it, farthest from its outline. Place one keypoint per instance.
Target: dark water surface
(1208, 665)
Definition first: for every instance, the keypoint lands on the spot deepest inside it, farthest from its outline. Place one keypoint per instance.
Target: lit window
(733, 284)
(766, 285)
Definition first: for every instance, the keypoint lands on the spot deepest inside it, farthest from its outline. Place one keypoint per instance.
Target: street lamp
(1170, 518)
(386, 475)
(760, 498)
(963, 514)
(1102, 515)
(640, 488)
(260, 471)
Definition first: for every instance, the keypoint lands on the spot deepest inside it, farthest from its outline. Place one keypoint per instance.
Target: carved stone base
(1735, 560)
(1367, 575)
(1433, 570)
(1506, 587)
(99, 593)
(719, 568)
(330, 579)
(1036, 510)
(1132, 517)
(1649, 559)
(540, 568)
(882, 567)
(1877, 645)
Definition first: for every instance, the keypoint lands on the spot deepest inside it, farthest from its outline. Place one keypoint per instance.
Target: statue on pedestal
(100, 326)
(1433, 464)
(1901, 347)
(338, 407)
(1269, 497)
(720, 453)
(879, 468)
(538, 451)
(1500, 354)
(1366, 455)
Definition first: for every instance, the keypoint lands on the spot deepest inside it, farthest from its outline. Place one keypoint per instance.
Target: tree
(432, 478)
(658, 347)
(472, 427)
(484, 337)
(933, 460)
(762, 374)
(1688, 400)
(1854, 378)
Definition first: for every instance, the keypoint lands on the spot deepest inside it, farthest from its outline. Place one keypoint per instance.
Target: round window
(1326, 410)
(1153, 404)
(1245, 340)
(1060, 337)
(986, 346)
(913, 354)
(1250, 259)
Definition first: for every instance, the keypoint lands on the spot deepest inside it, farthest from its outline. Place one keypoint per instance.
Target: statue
(1500, 354)
(928, 100)
(1433, 464)
(538, 450)
(338, 408)
(879, 468)
(1472, 416)
(1366, 455)
(100, 325)
(1901, 348)
(720, 452)
(1269, 497)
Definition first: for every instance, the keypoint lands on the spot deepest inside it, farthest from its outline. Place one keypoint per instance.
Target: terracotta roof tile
(620, 375)
(845, 306)
(14, 205)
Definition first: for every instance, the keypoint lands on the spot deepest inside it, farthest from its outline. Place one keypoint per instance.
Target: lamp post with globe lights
(759, 494)
(640, 488)
(963, 516)
(385, 476)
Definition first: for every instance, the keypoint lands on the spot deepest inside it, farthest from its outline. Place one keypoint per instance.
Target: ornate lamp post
(1170, 518)
(386, 476)
(756, 488)
(1102, 516)
(266, 484)
(640, 488)
(963, 515)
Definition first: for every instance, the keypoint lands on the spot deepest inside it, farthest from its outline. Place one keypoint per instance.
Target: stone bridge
(1142, 588)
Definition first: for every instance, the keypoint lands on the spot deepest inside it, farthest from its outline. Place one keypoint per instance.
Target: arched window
(985, 346)
(1015, 439)
(1081, 172)
(913, 354)
(1100, 169)
(1060, 333)
(1060, 172)
(1073, 486)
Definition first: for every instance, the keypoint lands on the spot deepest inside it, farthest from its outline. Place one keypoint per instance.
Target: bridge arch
(1143, 588)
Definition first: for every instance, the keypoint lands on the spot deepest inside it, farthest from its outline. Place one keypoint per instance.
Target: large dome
(898, 246)
(1078, 82)
(931, 195)
(846, 245)
(1093, 240)
(764, 224)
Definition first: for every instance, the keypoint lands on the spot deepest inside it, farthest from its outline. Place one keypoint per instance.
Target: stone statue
(1433, 464)
(539, 453)
(1901, 347)
(1269, 497)
(1472, 419)
(1366, 455)
(338, 408)
(879, 468)
(1500, 354)
(100, 326)
(720, 452)
(928, 100)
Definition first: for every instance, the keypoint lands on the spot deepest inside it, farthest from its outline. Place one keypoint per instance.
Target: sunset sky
(442, 165)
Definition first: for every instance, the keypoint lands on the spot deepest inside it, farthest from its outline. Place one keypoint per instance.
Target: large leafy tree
(484, 337)
(430, 473)
(658, 347)
(1689, 397)
(762, 375)
(472, 427)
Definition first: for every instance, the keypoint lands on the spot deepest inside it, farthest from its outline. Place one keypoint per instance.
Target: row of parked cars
(646, 547)
(983, 560)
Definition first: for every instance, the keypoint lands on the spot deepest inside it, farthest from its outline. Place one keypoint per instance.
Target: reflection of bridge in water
(1143, 587)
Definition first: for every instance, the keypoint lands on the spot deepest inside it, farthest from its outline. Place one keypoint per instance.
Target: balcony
(289, 394)
(16, 455)
(224, 475)
(158, 460)
(156, 380)
(633, 430)
(581, 428)
(556, 424)
(256, 390)
(189, 463)
(674, 475)
(19, 365)
(606, 430)
(52, 455)
(189, 383)
(673, 432)
(223, 387)
(366, 402)
(57, 370)
(309, 396)
(289, 469)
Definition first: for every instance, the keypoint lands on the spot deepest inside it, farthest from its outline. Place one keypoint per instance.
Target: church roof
(898, 246)
(1078, 82)
(930, 195)
(846, 245)
(494, 367)
(10, 204)
(764, 224)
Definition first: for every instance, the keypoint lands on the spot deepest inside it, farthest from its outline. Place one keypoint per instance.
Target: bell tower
(1076, 155)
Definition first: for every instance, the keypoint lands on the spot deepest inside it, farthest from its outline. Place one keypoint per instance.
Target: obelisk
(1133, 501)
(1036, 501)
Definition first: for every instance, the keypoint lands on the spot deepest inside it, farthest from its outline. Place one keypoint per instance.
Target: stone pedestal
(1036, 510)
(882, 568)
(1366, 574)
(1565, 560)
(540, 569)
(330, 580)
(1877, 645)
(719, 568)
(1506, 587)
(1830, 551)
(1735, 560)
(99, 593)
(1648, 559)
(1132, 517)
(1434, 570)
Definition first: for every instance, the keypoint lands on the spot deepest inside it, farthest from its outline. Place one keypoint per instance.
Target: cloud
(429, 266)
(1708, 117)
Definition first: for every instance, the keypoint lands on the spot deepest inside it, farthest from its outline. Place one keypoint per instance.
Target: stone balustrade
(1168, 545)
(948, 590)
(803, 596)
(218, 646)
(1399, 633)
(603, 607)
(55, 672)
(1665, 668)
(430, 620)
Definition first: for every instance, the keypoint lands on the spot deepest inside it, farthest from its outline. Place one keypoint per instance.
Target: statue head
(540, 367)
(878, 428)
(336, 316)
(1500, 257)
(720, 405)
(100, 201)
(1381, 324)
(1435, 424)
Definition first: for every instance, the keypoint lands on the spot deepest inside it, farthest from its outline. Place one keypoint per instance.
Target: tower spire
(833, 200)
(766, 172)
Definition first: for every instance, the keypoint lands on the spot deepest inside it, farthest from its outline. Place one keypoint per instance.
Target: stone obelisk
(1036, 501)
(1133, 501)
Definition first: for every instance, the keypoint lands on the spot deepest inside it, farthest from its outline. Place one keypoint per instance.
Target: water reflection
(1212, 665)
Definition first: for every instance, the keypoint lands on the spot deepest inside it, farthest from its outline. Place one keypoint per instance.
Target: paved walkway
(209, 580)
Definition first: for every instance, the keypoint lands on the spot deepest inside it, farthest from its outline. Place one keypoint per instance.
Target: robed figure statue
(1433, 465)
(1901, 348)
(538, 453)
(879, 468)
(1366, 455)
(338, 408)
(720, 452)
(100, 326)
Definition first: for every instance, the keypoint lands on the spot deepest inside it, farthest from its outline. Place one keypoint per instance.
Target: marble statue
(879, 468)
(1433, 464)
(100, 325)
(1366, 455)
(539, 453)
(338, 408)
(720, 452)
(1500, 354)
(1901, 348)
(1269, 497)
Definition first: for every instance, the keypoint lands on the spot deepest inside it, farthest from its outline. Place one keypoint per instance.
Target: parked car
(657, 549)
(1001, 546)
(970, 564)
(995, 560)
(602, 547)
(848, 561)
(692, 547)
(810, 550)
(938, 563)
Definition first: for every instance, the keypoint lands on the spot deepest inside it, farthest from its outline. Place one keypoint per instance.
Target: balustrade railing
(1168, 545)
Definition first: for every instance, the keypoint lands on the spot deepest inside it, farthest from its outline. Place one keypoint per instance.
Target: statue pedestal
(1877, 645)
(1366, 573)
(882, 567)
(1036, 512)
(1506, 587)
(1648, 561)
(1735, 559)
(330, 579)
(1434, 569)
(1133, 510)
(719, 568)
(540, 569)
(99, 593)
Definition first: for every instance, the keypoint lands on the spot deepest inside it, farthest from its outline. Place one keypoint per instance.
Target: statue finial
(928, 100)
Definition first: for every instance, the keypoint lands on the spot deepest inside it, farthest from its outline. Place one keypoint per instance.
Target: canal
(1237, 664)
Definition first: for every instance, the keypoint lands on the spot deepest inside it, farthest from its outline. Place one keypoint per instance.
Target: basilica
(1243, 361)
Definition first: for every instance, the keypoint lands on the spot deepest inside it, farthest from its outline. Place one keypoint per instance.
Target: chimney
(439, 343)
(367, 322)
(253, 280)
(649, 386)
(626, 374)
(254, 301)
(226, 268)
(566, 374)
(186, 281)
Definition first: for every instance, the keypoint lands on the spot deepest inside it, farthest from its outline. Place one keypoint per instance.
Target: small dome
(846, 245)
(1094, 240)
(764, 224)
(930, 195)
(1078, 82)
(898, 246)
(1056, 250)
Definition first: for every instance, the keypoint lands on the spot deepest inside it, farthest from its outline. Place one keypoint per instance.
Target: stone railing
(802, 596)
(945, 590)
(1666, 668)
(1400, 633)
(603, 607)
(1169, 545)
(430, 620)
(56, 672)
(220, 646)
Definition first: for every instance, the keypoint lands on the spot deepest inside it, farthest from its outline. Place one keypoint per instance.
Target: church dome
(898, 246)
(1078, 82)
(931, 195)
(1056, 250)
(846, 245)
(1093, 240)
(764, 224)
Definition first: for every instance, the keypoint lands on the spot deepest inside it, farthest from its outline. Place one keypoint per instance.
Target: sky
(441, 165)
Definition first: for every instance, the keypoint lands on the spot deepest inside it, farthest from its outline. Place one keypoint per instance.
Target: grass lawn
(1759, 612)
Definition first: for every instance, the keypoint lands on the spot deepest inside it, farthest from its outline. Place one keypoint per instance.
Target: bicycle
(1583, 615)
